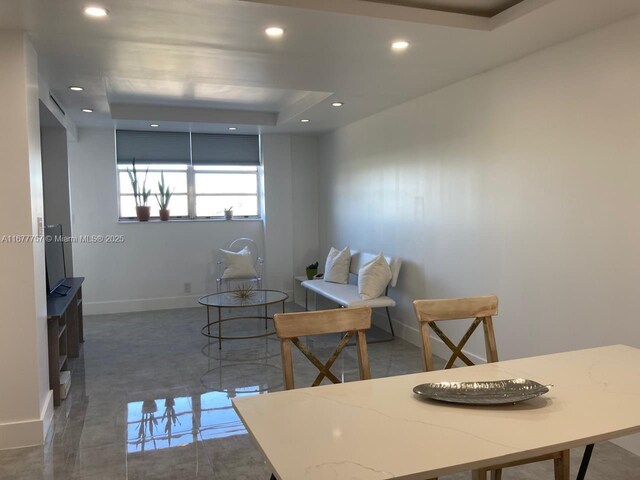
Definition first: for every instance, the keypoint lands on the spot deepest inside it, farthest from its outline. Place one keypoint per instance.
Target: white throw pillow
(373, 278)
(336, 269)
(238, 264)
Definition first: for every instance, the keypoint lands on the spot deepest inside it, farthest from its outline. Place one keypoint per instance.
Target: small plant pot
(143, 213)
(228, 214)
(311, 272)
(164, 214)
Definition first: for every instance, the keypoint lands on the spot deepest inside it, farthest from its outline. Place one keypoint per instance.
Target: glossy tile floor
(151, 399)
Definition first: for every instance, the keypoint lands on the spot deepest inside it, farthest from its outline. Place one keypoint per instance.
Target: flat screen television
(54, 259)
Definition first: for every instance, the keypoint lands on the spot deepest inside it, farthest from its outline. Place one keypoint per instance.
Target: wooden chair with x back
(481, 310)
(350, 321)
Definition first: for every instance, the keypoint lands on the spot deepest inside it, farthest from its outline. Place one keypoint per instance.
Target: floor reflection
(149, 429)
(217, 417)
(177, 421)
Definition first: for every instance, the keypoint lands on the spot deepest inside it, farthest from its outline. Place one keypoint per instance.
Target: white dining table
(378, 429)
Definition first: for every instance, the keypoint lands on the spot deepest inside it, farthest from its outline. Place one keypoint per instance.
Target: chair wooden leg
(363, 356)
(287, 364)
(561, 466)
(427, 354)
(496, 474)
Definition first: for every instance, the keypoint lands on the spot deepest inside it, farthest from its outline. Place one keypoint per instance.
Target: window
(220, 187)
(208, 173)
(175, 176)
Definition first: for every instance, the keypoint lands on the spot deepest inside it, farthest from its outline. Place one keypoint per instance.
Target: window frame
(192, 194)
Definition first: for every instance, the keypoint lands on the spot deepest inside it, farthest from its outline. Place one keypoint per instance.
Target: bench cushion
(346, 295)
(374, 278)
(336, 268)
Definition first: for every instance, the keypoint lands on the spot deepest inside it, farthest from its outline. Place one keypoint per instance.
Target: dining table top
(378, 429)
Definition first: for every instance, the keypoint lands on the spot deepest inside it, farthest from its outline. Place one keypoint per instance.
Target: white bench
(346, 295)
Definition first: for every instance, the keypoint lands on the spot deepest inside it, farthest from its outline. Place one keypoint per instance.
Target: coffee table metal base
(206, 330)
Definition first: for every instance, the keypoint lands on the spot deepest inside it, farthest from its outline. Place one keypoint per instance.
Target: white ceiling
(155, 57)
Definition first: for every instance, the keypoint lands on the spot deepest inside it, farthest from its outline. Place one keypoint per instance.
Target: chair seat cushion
(238, 264)
(346, 295)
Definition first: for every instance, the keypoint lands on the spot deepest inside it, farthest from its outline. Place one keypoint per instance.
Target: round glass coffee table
(234, 299)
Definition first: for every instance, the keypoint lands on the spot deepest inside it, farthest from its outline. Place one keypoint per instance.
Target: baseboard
(144, 304)
(28, 433)
(139, 305)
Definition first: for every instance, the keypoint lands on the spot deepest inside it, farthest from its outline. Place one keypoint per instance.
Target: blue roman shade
(221, 149)
(153, 147)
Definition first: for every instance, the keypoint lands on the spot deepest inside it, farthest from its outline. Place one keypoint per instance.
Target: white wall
(26, 405)
(149, 270)
(522, 181)
(304, 170)
(291, 210)
(278, 227)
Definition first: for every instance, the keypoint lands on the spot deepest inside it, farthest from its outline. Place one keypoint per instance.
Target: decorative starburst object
(243, 291)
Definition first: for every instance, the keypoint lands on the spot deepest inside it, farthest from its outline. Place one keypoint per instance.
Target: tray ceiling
(481, 8)
(208, 65)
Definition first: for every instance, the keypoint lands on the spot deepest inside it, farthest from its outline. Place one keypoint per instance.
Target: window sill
(190, 220)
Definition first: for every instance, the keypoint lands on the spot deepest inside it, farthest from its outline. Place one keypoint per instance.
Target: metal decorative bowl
(482, 393)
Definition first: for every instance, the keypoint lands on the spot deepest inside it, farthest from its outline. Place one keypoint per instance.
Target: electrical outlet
(187, 287)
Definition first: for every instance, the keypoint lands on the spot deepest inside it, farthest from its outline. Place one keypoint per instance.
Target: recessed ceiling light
(399, 45)
(154, 125)
(274, 32)
(75, 88)
(232, 129)
(87, 110)
(96, 11)
(337, 104)
(305, 120)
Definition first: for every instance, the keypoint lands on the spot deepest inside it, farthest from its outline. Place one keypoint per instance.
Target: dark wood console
(65, 331)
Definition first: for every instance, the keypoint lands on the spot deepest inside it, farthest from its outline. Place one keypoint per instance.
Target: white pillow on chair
(238, 264)
(336, 268)
(374, 277)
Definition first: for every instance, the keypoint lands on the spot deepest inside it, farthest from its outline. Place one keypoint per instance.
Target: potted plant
(163, 198)
(228, 213)
(312, 270)
(141, 195)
